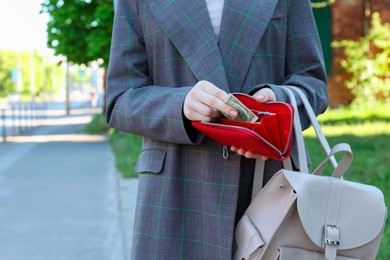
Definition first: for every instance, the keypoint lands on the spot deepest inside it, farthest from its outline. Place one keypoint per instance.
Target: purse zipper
(248, 131)
(225, 152)
(281, 153)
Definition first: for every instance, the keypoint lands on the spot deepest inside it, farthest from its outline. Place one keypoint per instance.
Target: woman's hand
(205, 101)
(247, 154)
(262, 95)
(265, 95)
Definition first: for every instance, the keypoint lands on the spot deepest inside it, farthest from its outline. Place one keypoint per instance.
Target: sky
(22, 27)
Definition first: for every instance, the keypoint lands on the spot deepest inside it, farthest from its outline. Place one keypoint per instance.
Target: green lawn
(126, 148)
(367, 132)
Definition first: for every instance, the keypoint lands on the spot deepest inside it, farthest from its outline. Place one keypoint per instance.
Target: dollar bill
(244, 113)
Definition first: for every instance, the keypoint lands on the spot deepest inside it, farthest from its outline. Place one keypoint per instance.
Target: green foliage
(368, 62)
(46, 74)
(81, 29)
(7, 63)
(99, 39)
(126, 148)
(97, 125)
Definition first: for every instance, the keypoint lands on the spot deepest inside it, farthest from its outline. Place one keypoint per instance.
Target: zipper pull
(225, 152)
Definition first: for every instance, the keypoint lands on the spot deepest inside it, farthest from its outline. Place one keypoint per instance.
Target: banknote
(244, 113)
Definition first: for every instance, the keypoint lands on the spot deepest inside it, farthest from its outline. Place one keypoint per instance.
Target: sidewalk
(61, 197)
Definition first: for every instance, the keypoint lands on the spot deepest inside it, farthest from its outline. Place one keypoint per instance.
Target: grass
(126, 148)
(97, 125)
(366, 131)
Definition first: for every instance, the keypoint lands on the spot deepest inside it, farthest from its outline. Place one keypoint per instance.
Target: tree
(7, 64)
(15, 66)
(80, 30)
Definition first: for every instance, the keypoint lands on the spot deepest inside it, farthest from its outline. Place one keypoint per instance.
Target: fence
(19, 118)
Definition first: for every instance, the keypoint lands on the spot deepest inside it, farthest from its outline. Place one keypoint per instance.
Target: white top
(215, 8)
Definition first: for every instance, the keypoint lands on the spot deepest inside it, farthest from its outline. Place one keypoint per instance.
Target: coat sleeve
(304, 63)
(133, 103)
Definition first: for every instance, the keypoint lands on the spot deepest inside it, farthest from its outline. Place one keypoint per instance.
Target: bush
(368, 62)
(98, 125)
(126, 148)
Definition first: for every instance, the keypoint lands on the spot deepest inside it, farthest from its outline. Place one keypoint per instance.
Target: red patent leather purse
(270, 136)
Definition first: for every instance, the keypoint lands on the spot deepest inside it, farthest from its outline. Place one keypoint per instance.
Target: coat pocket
(150, 161)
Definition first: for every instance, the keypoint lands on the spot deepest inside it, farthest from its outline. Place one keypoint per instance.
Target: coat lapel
(243, 26)
(188, 26)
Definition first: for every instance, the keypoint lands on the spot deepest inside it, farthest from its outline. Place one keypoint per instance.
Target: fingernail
(233, 113)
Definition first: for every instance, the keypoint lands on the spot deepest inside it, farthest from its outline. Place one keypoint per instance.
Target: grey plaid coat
(189, 194)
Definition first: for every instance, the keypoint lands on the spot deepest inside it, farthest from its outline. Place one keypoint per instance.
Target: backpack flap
(338, 212)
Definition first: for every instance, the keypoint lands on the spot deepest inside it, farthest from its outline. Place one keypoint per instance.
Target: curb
(127, 189)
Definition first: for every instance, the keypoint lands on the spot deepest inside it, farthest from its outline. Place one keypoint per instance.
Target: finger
(234, 149)
(251, 155)
(238, 150)
(205, 106)
(246, 153)
(241, 151)
(213, 90)
(200, 112)
(207, 112)
(194, 108)
(265, 95)
(221, 106)
(216, 98)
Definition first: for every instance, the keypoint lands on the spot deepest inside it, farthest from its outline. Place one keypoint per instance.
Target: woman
(173, 62)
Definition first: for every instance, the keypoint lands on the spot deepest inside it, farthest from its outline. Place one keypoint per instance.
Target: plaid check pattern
(188, 194)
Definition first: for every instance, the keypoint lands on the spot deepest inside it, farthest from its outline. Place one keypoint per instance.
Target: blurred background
(67, 181)
(50, 51)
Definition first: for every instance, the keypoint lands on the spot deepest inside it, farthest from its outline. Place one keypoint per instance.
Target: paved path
(60, 196)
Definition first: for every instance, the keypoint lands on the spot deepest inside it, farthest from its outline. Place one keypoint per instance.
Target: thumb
(264, 95)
